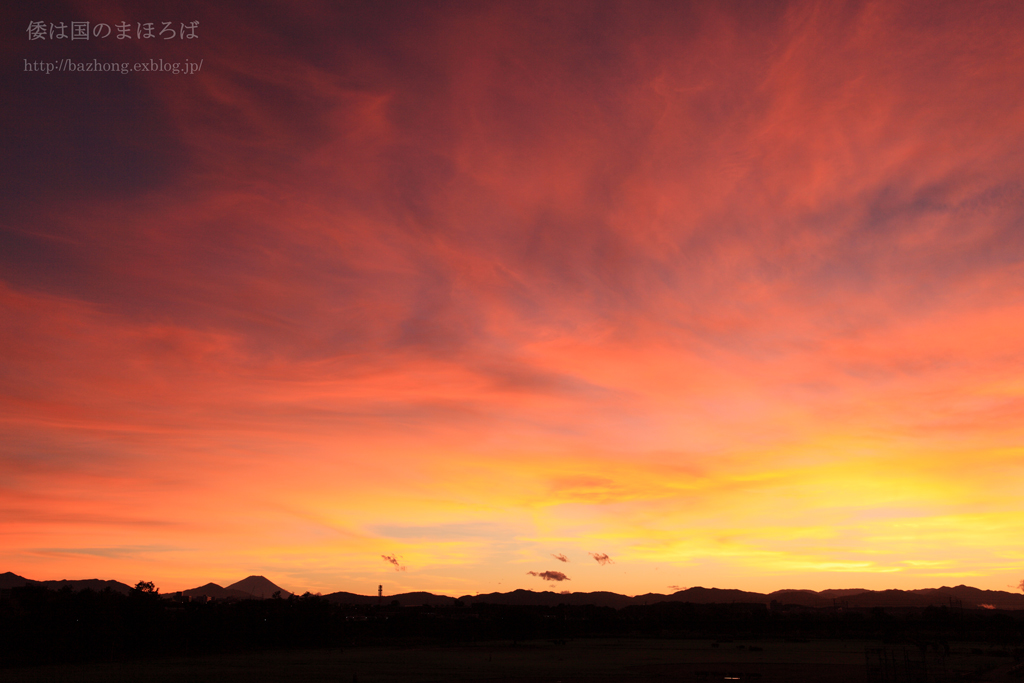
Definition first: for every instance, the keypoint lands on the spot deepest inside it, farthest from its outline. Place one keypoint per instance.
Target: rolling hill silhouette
(259, 587)
(404, 599)
(11, 580)
(857, 598)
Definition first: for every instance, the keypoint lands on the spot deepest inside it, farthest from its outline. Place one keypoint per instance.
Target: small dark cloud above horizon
(602, 558)
(550, 576)
(560, 557)
(393, 559)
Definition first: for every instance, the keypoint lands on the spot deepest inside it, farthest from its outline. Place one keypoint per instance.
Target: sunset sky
(730, 292)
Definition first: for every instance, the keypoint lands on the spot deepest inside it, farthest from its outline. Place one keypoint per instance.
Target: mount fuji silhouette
(258, 587)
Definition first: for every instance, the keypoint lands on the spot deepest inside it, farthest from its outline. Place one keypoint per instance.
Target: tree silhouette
(146, 587)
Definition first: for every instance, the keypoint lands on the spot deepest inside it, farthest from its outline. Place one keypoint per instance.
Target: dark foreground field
(106, 636)
(700, 661)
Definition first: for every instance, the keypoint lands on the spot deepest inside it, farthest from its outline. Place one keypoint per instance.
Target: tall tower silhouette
(380, 595)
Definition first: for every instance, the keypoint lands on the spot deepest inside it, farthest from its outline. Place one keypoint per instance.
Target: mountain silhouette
(974, 596)
(550, 598)
(404, 599)
(11, 580)
(87, 584)
(960, 596)
(343, 598)
(258, 587)
(216, 592)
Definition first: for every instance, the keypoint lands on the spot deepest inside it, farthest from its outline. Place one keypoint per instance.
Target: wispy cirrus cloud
(112, 552)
